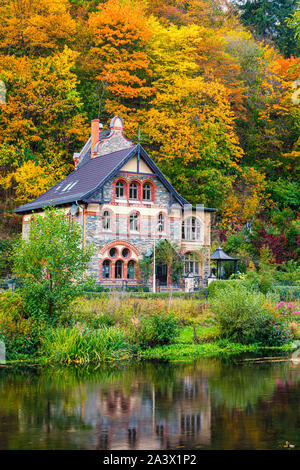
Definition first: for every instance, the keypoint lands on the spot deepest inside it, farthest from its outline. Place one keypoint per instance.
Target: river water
(206, 404)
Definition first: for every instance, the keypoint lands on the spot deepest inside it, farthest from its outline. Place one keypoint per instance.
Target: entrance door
(162, 274)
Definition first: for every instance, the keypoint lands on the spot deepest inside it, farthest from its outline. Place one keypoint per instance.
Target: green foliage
(285, 193)
(51, 263)
(5, 261)
(204, 334)
(289, 271)
(83, 345)
(215, 287)
(21, 335)
(288, 292)
(167, 253)
(89, 319)
(188, 352)
(144, 268)
(245, 316)
(156, 329)
(265, 283)
(268, 20)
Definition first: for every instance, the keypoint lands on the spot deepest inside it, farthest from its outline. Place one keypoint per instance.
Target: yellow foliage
(35, 26)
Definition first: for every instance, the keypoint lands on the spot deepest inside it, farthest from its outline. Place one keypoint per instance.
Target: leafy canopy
(51, 262)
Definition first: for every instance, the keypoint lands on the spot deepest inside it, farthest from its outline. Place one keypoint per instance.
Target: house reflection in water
(148, 417)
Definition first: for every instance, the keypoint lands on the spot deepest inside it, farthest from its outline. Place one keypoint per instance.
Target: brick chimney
(94, 135)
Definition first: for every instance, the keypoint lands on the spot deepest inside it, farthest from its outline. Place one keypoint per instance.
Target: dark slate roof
(220, 255)
(91, 175)
(86, 180)
(85, 154)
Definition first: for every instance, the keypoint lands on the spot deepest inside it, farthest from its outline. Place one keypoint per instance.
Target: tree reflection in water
(204, 404)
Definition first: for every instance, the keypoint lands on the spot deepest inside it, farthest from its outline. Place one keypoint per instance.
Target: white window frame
(191, 229)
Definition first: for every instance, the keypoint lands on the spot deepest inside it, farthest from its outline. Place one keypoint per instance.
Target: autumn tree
(35, 27)
(268, 21)
(190, 124)
(116, 71)
(41, 124)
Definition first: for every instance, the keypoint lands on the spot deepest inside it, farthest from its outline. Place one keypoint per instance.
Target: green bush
(21, 335)
(265, 283)
(215, 286)
(82, 345)
(156, 329)
(90, 319)
(288, 292)
(245, 316)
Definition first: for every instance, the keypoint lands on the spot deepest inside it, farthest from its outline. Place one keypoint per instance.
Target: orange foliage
(119, 35)
(35, 26)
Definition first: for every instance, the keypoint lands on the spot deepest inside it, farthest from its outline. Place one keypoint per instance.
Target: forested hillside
(211, 84)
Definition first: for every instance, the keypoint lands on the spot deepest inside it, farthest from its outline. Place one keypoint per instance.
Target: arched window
(133, 191)
(106, 220)
(125, 253)
(191, 229)
(120, 189)
(134, 222)
(113, 252)
(191, 264)
(119, 269)
(147, 192)
(131, 270)
(161, 223)
(106, 269)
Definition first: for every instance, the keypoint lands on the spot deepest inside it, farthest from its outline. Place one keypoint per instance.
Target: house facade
(125, 205)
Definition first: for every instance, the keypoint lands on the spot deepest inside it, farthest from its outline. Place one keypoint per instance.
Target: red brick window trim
(120, 190)
(148, 186)
(134, 222)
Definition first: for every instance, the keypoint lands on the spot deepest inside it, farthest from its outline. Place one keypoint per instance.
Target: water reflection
(208, 404)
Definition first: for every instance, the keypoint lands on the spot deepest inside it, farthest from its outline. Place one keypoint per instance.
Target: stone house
(125, 204)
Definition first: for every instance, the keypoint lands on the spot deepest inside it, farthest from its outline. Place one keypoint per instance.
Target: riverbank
(182, 350)
(116, 329)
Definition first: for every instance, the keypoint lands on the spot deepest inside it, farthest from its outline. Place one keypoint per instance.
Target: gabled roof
(220, 255)
(90, 177)
(84, 180)
(85, 155)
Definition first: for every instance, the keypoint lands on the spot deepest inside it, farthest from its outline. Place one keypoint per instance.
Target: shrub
(275, 333)
(288, 292)
(21, 337)
(215, 286)
(11, 303)
(265, 283)
(82, 345)
(50, 262)
(90, 319)
(245, 316)
(156, 329)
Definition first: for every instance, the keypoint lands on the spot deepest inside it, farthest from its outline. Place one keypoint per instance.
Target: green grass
(66, 345)
(204, 333)
(184, 348)
(186, 352)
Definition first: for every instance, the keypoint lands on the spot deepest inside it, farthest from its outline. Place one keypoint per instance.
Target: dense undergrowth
(114, 328)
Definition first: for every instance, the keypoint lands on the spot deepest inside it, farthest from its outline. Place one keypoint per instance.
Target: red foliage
(276, 243)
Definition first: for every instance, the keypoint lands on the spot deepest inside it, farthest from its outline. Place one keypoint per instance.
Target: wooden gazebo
(220, 256)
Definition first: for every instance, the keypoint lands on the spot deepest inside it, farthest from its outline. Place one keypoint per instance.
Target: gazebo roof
(220, 255)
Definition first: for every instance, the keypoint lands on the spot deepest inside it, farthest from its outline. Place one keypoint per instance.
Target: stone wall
(148, 215)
